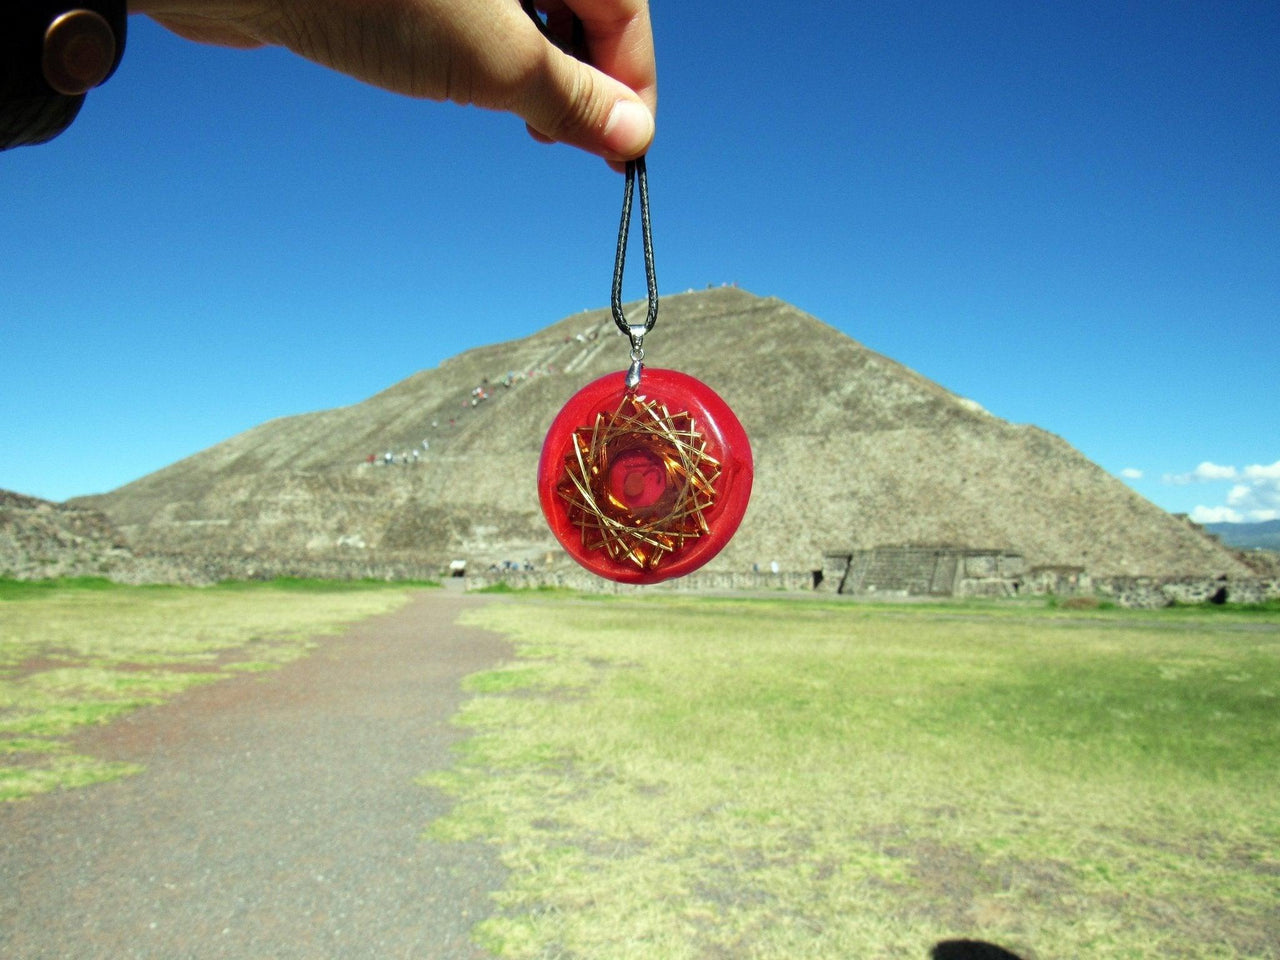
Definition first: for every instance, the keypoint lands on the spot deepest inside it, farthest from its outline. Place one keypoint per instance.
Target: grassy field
(81, 652)
(683, 778)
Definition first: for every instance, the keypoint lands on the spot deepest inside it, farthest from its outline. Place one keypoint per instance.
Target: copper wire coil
(639, 482)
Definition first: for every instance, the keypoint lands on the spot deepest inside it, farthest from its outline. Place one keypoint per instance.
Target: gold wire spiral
(643, 535)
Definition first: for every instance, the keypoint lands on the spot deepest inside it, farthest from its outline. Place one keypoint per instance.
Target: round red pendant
(645, 485)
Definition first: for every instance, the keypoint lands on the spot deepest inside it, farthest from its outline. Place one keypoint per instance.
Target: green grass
(23, 589)
(81, 652)
(677, 778)
(63, 771)
(503, 587)
(310, 585)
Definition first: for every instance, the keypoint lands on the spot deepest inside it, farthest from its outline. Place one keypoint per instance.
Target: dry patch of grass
(715, 778)
(85, 652)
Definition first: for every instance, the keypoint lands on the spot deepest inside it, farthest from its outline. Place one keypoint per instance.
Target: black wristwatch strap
(51, 53)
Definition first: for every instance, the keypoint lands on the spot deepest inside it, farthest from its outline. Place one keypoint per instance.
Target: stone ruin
(922, 570)
(925, 570)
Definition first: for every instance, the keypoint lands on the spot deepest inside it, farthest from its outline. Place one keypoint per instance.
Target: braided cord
(635, 172)
(575, 45)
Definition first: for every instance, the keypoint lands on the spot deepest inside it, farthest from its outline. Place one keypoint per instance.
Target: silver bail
(636, 333)
(633, 374)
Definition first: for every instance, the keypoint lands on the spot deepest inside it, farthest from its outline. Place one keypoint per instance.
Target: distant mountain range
(852, 450)
(1247, 536)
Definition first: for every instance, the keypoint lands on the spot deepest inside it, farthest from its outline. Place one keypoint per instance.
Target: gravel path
(277, 816)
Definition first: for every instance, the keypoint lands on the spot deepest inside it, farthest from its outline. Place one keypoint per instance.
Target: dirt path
(277, 816)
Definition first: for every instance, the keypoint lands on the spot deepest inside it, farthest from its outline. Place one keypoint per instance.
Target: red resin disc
(647, 485)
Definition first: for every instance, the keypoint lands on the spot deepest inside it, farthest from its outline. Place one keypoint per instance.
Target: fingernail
(629, 129)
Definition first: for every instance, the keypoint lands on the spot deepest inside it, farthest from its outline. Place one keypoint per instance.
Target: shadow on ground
(970, 950)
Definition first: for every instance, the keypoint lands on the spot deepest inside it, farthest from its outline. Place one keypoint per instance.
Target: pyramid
(852, 450)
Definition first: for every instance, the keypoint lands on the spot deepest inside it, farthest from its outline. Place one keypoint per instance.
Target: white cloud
(1211, 471)
(1238, 496)
(1262, 494)
(1258, 472)
(1215, 515)
(1131, 473)
(1205, 473)
(1255, 496)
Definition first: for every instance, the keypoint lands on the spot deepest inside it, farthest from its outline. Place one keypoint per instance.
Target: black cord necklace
(640, 482)
(644, 481)
(635, 171)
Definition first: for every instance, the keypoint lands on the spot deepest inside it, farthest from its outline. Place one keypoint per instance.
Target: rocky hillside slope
(852, 450)
(40, 539)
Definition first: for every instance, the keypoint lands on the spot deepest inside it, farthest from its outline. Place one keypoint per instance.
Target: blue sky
(1067, 212)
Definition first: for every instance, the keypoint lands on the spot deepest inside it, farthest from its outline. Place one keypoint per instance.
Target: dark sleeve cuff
(31, 120)
(51, 53)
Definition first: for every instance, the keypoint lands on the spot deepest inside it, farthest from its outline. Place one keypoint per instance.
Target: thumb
(572, 102)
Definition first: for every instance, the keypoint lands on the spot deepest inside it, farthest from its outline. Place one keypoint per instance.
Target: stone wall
(1153, 592)
(700, 581)
(1062, 581)
(922, 570)
(917, 570)
(201, 570)
(39, 540)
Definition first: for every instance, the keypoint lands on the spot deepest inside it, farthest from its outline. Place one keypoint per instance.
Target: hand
(483, 52)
